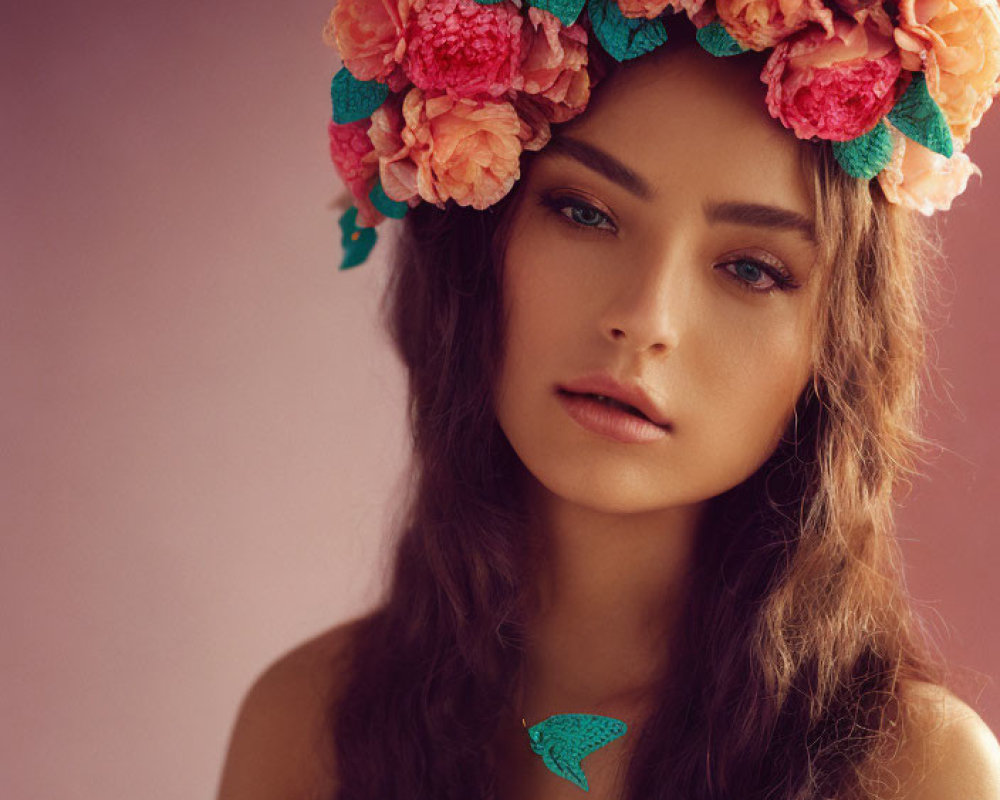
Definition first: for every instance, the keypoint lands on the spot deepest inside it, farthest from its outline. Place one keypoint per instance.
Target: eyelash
(783, 281)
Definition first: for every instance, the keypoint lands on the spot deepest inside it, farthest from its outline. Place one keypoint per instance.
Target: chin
(614, 493)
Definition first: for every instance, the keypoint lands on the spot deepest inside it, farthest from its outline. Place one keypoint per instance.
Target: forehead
(696, 127)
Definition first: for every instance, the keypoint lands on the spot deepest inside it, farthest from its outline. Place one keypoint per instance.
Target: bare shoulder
(279, 747)
(947, 751)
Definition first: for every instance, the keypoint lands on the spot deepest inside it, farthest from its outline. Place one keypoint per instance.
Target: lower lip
(609, 421)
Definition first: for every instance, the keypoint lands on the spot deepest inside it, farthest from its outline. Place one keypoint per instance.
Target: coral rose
(353, 156)
(462, 47)
(554, 66)
(760, 24)
(643, 8)
(921, 179)
(957, 45)
(368, 34)
(449, 148)
(835, 88)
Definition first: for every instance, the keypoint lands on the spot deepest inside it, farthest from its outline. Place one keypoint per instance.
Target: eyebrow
(602, 162)
(752, 214)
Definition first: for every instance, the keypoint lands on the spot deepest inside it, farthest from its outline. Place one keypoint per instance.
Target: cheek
(524, 295)
(755, 384)
(545, 301)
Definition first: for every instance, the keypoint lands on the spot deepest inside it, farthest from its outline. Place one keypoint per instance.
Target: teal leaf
(564, 740)
(622, 37)
(919, 117)
(568, 11)
(716, 40)
(391, 208)
(866, 156)
(354, 99)
(357, 242)
(489, 2)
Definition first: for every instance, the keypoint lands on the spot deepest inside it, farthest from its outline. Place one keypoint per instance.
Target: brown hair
(791, 687)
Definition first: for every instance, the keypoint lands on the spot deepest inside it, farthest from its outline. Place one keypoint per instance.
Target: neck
(609, 589)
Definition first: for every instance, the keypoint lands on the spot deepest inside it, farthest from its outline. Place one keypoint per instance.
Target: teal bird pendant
(564, 740)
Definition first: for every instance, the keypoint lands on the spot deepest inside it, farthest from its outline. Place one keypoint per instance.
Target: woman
(662, 392)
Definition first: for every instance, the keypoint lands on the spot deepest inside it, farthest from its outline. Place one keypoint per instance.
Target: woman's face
(654, 273)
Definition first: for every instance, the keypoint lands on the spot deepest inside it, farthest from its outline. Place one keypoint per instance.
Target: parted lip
(630, 393)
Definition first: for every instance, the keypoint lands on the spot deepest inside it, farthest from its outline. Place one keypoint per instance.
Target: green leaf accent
(568, 11)
(489, 2)
(564, 740)
(716, 40)
(919, 117)
(866, 156)
(354, 99)
(391, 208)
(621, 36)
(357, 242)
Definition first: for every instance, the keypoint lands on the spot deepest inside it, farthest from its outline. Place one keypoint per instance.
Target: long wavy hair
(790, 688)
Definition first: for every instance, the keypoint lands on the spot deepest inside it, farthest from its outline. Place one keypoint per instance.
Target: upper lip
(631, 393)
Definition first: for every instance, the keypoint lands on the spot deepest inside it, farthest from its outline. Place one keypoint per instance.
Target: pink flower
(760, 24)
(353, 157)
(835, 88)
(449, 148)
(643, 8)
(462, 47)
(923, 180)
(554, 66)
(957, 45)
(368, 34)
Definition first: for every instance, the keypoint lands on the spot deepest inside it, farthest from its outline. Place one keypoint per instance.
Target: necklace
(564, 740)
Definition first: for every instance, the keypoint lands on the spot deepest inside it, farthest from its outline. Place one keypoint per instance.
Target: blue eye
(749, 271)
(581, 214)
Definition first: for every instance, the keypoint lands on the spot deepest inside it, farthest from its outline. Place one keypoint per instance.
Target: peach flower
(853, 6)
(700, 12)
(760, 24)
(396, 171)
(875, 18)
(554, 67)
(449, 148)
(921, 179)
(643, 8)
(368, 34)
(957, 45)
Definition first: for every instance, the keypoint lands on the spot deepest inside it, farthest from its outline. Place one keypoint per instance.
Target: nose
(644, 309)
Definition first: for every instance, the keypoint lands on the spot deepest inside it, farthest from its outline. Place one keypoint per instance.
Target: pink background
(202, 428)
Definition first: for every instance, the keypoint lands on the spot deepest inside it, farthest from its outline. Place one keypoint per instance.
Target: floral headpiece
(438, 98)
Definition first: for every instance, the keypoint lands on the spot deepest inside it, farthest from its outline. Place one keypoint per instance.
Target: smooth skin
(652, 278)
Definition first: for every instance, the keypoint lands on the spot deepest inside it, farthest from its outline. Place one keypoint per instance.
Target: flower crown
(438, 98)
